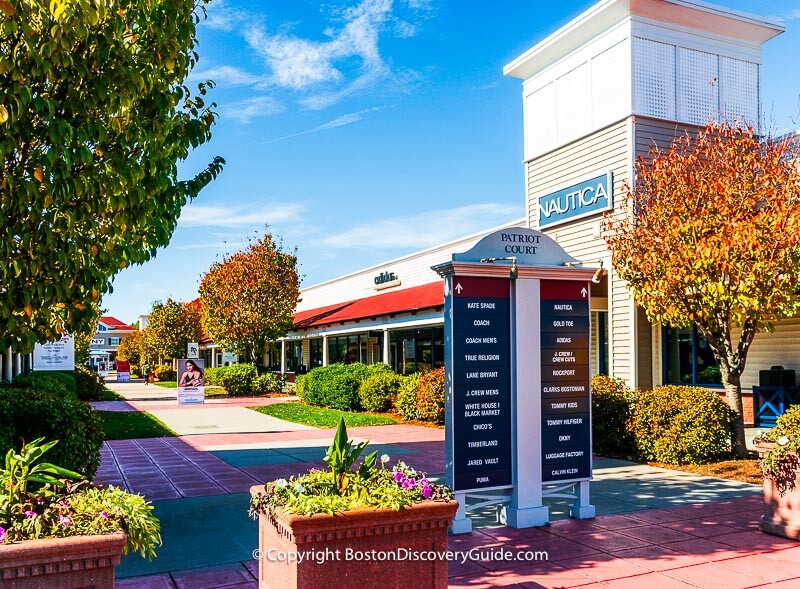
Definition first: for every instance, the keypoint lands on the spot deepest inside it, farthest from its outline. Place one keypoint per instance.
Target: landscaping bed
(746, 471)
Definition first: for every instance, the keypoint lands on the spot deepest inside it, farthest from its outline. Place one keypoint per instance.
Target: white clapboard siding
(780, 348)
(599, 152)
(412, 270)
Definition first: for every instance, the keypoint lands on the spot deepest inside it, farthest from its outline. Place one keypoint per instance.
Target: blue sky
(362, 131)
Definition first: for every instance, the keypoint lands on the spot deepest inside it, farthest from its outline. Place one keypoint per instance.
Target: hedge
(165, 372)
(681, 425)
(378, 391)
(29, 413)
(213, 376)
(266, 383)
(406, 401)
(238, 379)
(90, 385)
(337, 385)
(430, 396)
(612, 405)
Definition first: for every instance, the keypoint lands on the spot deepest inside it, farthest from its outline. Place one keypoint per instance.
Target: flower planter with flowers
(62, 534)
(353, 528)
(779, 451)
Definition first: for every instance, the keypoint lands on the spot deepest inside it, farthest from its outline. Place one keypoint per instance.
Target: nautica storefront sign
(578, 200)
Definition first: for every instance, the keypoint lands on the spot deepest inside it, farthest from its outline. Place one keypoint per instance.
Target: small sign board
(229, 358)
(123, 371)
(57, 355)
(566, 402)
(589, 197)
(481, 383)
(192, 350)
(191, 381)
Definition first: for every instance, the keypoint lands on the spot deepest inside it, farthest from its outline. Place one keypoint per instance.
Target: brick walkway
(657, 528)
(709, 546)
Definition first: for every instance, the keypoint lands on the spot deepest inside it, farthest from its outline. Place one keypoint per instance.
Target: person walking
(146, 373)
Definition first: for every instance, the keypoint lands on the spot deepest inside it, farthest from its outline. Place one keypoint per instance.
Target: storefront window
(315, 349)
(416, 350)
(688, 358)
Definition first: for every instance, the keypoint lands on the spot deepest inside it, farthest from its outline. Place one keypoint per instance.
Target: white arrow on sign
(584, 292)
(459, 288)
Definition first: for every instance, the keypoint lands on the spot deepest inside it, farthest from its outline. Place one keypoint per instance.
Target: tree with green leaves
(171, 327)
(711, 237)
(249, 298)
(94, 117)
(130, 348)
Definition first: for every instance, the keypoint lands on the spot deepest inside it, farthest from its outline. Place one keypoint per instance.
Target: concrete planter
(76, 562)
(781, 512)
(357, 549)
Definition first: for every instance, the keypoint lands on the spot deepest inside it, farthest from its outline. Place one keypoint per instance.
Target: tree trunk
(733, 393)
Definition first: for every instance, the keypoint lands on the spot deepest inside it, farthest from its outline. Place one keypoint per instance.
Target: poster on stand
(191, 381)
(123, 371)
(57, 355)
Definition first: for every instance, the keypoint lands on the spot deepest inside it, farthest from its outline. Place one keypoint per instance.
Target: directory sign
(566, 401)
(481, 383)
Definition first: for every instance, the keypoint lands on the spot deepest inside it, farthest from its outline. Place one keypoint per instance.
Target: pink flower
(426, 491)
(409, 484)
(29, 514)
(103, 514)
(2, 535)
(64, 521)
(399, 477)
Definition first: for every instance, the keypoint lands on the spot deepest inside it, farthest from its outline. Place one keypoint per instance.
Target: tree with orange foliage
(710, 236)
(249, 298)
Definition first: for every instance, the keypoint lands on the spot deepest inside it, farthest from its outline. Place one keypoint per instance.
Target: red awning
(416, 298)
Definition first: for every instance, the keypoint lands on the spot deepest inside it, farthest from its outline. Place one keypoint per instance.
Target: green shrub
(780, 462)
(337, 385)
(680, 425)
(54, 382)
(266, 383)
(136, 371)
(90, 385)
(213, 376)
(28, 413)
(430, 396)
(612, 405)
(165, 372)
(238, 379)
(378, 390)
(406, 401)
(300, 385)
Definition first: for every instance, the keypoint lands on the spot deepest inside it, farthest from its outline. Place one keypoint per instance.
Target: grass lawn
(126, 425)
(109, 395)
(210, 391)
(321, 416)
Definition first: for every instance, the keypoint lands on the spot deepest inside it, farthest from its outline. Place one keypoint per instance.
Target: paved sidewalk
(655, 527)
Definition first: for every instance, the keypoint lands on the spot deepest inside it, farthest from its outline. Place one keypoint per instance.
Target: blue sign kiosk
(517, 391)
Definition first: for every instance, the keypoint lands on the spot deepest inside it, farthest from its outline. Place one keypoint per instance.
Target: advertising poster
(191, 381)
(57, 355)
(192, 350)
(123, 371)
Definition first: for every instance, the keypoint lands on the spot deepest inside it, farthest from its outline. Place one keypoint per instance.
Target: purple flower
(399, 477)
(2, 535)
(408, 484)
(63, 503)
(103, 514)
(64, 521)
(426, 491)
(29, 514)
